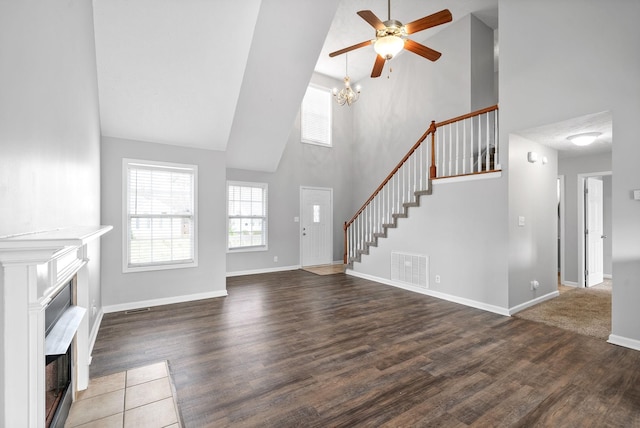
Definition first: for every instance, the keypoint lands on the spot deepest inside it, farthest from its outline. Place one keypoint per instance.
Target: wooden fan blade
(377, 66)
(429, 21)
(350, 48)
(421, 50)
(372, 19)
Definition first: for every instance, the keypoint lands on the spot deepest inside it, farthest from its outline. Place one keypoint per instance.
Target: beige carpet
(325, 269)
(582, 310)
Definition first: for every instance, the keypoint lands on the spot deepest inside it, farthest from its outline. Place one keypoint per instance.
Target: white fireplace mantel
(34, 267)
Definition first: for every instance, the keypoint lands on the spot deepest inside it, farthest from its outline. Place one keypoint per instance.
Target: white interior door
(316, 226)
(594, 255)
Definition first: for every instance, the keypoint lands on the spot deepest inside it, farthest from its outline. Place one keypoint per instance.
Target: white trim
(258, 271)
(570, 283)
(155, 165)
(624, 341)
(301, 224)
(93, 335)
(337, 262)
(163, 301)
(439, 295)
(533, 302)
(469, 177)
(328, 93)
(607, 276)
(561, 232)
(265, 194)
(580, 222)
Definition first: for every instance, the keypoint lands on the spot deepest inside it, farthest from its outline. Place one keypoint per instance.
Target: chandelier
(346, 95)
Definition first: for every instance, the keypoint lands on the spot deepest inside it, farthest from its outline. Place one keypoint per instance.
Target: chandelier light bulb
(346, 95)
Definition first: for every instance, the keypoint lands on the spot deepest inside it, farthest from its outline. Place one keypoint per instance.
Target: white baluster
(488, 143)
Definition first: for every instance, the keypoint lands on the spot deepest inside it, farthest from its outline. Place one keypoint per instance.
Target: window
(315, 116)
(160, 215)
(247, 212)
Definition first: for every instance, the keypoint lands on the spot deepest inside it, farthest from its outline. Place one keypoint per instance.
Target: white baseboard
(570, 284)
(437, 294)
(533, 302)
(164, 301)
(624, 341)
(607, 276)
(258, 271)
(94, 332)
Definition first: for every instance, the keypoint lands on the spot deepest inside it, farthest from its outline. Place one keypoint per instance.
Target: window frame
(126, 225)
(329, 107)
(265, 197)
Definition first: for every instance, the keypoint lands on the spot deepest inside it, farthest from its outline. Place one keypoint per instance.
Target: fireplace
(57, 388)
(45, 283)
(62, 319)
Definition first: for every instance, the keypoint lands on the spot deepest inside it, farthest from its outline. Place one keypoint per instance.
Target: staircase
(465, 145)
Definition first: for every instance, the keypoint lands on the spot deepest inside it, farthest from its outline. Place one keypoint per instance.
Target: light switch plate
(521, 221)
(636, 195)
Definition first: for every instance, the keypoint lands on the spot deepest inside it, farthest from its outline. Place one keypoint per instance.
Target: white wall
(570, 168)
(141, 289)
(553, 68)
(302, 165)
(461, 226)
(398, 107)
(533, 250)
(49, 124)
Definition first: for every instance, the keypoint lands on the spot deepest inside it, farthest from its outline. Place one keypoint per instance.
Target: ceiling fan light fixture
(583, 139)
(388, 46)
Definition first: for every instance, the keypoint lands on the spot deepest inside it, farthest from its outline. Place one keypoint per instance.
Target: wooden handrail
(467, 116)
(432, 169)
(386, 180)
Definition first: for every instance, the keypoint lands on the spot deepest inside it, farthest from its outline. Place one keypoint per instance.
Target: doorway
(591, 228)
(316, 226)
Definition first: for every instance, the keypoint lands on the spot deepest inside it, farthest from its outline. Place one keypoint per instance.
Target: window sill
(147, 268)
(247, 249)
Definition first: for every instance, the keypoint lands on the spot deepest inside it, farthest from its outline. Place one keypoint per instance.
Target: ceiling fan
(391, 37)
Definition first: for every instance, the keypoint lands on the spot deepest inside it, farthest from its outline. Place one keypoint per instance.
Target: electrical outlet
(437, 279)
(534, 285)
(275, 259)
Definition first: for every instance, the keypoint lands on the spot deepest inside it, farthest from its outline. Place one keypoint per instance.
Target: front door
(316, 227)
(594, 257)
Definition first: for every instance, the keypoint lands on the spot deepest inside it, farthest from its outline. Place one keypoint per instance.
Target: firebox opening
(62, 320)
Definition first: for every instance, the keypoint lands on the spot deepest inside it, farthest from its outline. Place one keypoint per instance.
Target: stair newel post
(432, 168)
(346, 243)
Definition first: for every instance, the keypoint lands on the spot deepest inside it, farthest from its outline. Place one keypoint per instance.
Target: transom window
(247, 216)
(160, 215)
(315, 116)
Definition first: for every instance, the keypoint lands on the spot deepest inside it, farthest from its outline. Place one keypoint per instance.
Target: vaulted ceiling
(230, 75)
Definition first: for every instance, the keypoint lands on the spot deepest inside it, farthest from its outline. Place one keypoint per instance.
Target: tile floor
(141, 397)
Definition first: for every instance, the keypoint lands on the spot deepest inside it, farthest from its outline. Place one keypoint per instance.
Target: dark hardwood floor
(298, 349)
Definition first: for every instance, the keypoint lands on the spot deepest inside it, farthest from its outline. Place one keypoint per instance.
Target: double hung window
(247, 216)
(160, 226)
(315, 116)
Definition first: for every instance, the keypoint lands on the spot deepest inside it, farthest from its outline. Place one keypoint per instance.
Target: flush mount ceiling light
(346, 95)
(584, 139)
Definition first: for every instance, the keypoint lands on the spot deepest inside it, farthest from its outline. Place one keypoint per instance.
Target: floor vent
(410, 269)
